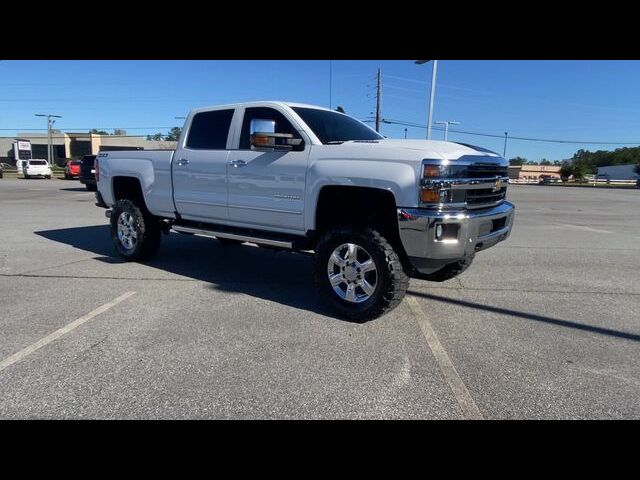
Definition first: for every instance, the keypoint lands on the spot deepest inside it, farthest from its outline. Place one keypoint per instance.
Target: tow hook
(107, 213)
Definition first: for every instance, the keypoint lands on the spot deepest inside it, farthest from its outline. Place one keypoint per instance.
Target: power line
(529, 139)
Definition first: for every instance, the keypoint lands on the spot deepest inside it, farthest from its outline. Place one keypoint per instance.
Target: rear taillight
(96, 167)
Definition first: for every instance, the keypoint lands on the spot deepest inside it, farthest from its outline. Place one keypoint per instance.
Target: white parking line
(16, 357)
(463, 397)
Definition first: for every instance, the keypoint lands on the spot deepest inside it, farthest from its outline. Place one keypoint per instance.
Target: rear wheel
(358, 273)
(91, 188)
(134, 231)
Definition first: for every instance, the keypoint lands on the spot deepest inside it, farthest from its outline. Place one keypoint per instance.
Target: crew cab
(373, 211)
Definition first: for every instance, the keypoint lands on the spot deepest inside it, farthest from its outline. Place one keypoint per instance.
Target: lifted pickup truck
(374, 211)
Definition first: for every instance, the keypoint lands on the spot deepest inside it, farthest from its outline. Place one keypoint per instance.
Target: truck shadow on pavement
(528, 316)
(281, 277)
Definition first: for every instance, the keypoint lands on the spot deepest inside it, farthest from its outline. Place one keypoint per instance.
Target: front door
(266, 188)
(200, 168)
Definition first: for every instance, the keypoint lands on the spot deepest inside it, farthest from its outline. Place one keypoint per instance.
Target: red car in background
(72, 169)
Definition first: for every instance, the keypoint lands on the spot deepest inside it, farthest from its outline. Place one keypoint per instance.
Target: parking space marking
(16, 357)
(463, 397)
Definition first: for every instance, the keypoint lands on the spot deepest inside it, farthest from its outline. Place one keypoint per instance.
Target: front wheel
(91, 188)
(134, 231)
(358, 273)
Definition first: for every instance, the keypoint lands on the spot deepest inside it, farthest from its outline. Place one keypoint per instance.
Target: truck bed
(151, 167)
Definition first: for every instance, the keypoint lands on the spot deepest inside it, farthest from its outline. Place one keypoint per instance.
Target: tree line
(586, 162)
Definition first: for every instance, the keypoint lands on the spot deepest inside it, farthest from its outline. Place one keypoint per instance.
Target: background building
(73, 146)
(532, 173)
(618, 172)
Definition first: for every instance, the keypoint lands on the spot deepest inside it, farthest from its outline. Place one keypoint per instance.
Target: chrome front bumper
(466, 232)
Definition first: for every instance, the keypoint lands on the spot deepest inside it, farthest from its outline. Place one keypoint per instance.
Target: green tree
(98, 132)
(174, 134)
(518, 161)
(544, 161)
(157, 136)
(566, 170)
(579, 170)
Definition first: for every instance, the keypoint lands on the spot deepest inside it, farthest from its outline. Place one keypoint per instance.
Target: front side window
(335, 128)
(263, 113)
(209, 130)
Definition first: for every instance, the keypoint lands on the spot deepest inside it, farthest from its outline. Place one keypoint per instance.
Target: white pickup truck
(374, 211)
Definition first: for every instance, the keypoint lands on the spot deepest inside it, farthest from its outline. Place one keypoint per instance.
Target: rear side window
(37, 162)
(209, 130)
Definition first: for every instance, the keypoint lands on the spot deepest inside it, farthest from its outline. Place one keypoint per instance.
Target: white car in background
(36, 168)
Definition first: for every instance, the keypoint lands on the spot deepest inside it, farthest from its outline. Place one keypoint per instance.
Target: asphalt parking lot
(544, 325)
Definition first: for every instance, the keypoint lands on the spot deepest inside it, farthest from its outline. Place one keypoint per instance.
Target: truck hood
(412, 149)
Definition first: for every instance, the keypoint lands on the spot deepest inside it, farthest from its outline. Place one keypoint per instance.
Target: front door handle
(183, 161)
(237, 163)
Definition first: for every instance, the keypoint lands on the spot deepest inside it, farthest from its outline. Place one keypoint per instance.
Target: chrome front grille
(485, 197)
(471, 182)
(480, 170)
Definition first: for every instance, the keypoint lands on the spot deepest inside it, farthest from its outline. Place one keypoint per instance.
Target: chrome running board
(232, 236)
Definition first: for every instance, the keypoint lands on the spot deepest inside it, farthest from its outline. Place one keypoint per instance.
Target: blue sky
(572, 100)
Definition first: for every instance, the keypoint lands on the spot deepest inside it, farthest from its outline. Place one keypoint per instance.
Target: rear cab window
(210, 130)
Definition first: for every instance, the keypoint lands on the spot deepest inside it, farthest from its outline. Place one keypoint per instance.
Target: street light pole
(49, 137)
(432, 96)
(504, 152)
(446, 124)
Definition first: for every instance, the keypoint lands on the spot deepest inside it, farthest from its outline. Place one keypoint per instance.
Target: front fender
(399, 178)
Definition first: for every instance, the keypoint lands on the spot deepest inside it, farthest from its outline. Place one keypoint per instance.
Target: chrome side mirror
(263, 136)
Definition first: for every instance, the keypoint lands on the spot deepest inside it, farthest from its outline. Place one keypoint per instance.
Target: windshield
(333, 127)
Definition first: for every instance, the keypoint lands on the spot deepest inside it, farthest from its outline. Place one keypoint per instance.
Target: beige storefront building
(532, 173)
(73, 146)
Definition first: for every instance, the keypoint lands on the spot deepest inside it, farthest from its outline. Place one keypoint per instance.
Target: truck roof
(262, 103)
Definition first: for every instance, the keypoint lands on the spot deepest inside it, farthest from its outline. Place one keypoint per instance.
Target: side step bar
(233, 236)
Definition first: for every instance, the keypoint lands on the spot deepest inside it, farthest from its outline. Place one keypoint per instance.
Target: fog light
(438, 231)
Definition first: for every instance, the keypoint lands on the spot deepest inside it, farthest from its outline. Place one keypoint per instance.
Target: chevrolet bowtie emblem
(497, 186)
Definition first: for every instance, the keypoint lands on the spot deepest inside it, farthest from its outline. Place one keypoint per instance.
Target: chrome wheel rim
(352, 273)
(127, 233)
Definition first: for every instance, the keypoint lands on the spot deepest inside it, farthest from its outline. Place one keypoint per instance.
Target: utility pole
(50, 123)
(379, 91)
(405, 133)
(446, 124)
(504, 152)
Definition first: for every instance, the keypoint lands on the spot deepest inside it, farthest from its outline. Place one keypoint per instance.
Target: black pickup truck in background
(87, 173)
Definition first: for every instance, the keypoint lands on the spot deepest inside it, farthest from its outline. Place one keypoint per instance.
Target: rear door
(266, 189)
(200, 167)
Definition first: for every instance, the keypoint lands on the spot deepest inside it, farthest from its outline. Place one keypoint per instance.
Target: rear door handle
(237, 163)
(183, 161)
